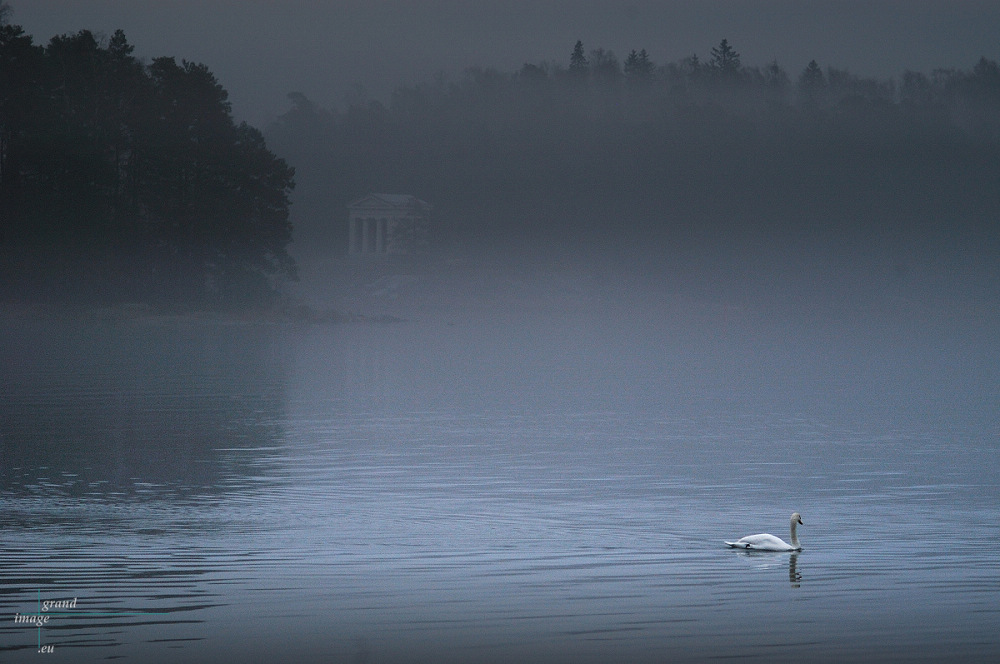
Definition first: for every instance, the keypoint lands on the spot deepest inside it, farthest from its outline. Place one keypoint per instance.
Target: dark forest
(129, 182)
(707, 149)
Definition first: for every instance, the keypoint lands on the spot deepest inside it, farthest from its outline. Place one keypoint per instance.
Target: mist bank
(693, 155)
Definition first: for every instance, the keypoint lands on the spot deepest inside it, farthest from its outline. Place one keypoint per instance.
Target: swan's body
(766, 542)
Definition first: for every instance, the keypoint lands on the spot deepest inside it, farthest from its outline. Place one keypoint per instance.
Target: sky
(260, 50)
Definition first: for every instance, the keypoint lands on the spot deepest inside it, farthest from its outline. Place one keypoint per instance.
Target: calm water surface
(433, 493)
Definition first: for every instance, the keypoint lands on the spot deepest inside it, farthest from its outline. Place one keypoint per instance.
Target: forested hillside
(126, 181)
(702, 145)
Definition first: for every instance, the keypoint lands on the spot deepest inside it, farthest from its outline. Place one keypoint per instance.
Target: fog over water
(541, 463)
(657, 306)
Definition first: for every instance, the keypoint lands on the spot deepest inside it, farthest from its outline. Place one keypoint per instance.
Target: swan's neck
(795, 536)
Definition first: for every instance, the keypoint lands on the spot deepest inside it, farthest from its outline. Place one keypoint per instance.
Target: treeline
(504, 153)
(125, 181)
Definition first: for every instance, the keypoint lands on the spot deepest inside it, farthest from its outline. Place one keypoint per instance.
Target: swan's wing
(764, 541)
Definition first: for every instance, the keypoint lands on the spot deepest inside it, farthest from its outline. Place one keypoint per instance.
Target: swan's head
(797, 518)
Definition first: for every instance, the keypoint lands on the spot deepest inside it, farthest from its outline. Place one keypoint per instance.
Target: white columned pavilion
(386, 224)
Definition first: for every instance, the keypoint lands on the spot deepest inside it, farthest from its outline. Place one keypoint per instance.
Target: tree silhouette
(812, 76)
(125, 181)
(811, 85)
(638, 66)
(578, 63)
(725, 61)
(776, 84)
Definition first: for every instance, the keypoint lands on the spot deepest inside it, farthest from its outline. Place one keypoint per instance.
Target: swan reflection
(773, 559)
(794, 575)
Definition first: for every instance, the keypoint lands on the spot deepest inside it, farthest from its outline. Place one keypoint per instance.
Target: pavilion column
(352, 241)
(365, 235)
(380, 237)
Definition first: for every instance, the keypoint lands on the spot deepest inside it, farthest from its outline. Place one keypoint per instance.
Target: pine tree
(638, 66)
(725, 61)
(811, 85)
(812, 76)
(578, 61)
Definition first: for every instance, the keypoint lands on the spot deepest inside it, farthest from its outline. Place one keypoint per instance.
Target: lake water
(455, 491)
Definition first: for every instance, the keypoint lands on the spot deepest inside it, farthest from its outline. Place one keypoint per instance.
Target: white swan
(767, 542)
